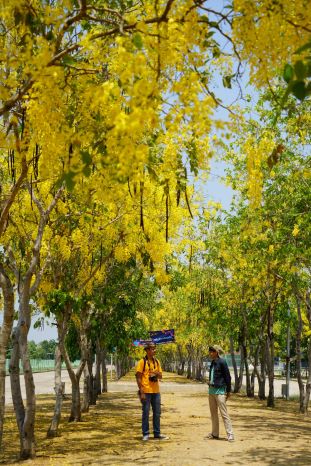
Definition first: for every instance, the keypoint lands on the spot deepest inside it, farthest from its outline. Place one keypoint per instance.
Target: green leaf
(87, 171)
(86, 157)
(216, 52)
(300, 70)
(288, 73)
(304, 47)
(213, 24)
(226, 81)
(299, 89)
(137, 41)
(68, 179)
(68, 60)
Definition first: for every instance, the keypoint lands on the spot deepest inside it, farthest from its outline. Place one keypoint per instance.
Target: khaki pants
(219, 402)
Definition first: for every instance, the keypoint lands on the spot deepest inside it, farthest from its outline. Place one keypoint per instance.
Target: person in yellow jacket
(148, 374)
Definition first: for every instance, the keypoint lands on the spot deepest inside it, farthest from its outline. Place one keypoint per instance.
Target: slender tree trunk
(15, 385)
(308, 383)
(260, 369)
(234, 364)
(181, 361)
(104, 371)
(26, 288)
(28, 433)
(5, 332)
(75, 414)
(239, 381)
(247, 374)
(270, 356)
(59, 392)
(86, 389)
(97, 384)
(298, 355)
(189, 360)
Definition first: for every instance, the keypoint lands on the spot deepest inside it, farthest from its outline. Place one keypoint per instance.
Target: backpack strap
(155, 363)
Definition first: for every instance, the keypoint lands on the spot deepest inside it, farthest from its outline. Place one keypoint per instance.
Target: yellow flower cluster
(268, 33)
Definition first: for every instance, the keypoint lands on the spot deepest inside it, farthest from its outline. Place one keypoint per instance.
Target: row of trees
(106, 119)
(249, 284)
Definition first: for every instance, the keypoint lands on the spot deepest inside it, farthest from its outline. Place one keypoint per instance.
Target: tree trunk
(247, 374)
(28, 432)
(25, 417)
(260, 369)
(5, 332)
(97, 384)
(234, 364)
(270, 356)
(75, 414)
(238, 383)
(59, 392)
(104, 371)
(86, 389)
(17, 398)
(189, 360)
(308, 384)
(298, 356)
(181, 361)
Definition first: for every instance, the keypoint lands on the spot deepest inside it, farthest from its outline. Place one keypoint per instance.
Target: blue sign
(163, 336)
(159, 337)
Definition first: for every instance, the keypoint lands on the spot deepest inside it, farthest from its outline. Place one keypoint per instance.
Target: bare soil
(110, 434)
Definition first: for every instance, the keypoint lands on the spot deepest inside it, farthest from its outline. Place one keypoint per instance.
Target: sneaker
(211, 436)
(161, 437)
(230, 438)
(145, 438)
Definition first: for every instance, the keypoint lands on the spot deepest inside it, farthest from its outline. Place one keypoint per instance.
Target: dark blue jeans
(153, 399)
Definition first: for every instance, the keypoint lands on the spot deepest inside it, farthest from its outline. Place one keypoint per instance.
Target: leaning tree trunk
(5, 332)
(59, 392)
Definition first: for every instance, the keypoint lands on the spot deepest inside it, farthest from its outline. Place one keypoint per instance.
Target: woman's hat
(216, 348)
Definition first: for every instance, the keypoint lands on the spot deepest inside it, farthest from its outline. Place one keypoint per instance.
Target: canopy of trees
(108, 121)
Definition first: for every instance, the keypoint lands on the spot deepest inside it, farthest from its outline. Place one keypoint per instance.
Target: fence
(40, 365)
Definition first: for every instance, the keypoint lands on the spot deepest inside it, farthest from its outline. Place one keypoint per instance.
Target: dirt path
(110, 433)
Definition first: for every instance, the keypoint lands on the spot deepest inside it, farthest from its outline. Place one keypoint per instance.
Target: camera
(153, 378)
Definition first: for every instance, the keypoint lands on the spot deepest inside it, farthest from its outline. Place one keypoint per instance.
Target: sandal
(211, 436)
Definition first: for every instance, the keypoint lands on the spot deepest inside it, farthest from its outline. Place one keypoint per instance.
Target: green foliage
(298, 75)
(43, 350)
